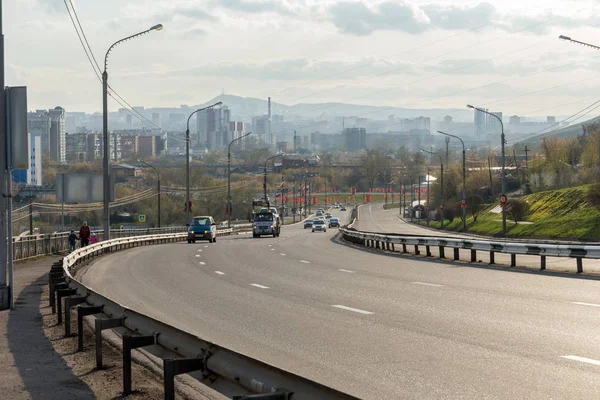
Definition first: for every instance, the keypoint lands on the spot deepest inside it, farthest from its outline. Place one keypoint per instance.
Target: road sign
(142, 218)
(503, 199)
(463, 203)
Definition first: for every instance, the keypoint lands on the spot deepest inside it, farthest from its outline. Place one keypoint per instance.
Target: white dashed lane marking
(305, 262)
(283, 254)
(202, 263)
(426, 284)
(219, 273)
(346, 270)
(586, 304)
(582, 359)
(356, 310)
(259, 286)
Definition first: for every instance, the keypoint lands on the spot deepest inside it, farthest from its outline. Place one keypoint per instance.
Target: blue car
(202, 228)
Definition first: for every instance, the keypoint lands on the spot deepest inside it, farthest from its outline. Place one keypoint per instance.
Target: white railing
(543, 250)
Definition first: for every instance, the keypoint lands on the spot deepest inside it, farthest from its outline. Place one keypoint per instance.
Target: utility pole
(490, 172)
(30, 217)
(526, 159)
(4, 289)
(447, 151)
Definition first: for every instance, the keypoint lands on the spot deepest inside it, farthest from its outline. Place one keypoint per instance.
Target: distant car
(202, 228)
(319, 225)
(319, 219)
(336, 206)
(308, 223)
(343, 208)
(328, 215)
(334, 222)
(319, 214)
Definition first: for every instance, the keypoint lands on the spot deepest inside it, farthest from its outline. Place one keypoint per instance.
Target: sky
(505, 56)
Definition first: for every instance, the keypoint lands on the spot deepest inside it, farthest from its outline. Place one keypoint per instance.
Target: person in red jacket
(84, 234)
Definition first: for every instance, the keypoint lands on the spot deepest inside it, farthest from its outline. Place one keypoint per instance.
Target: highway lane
(373, 218)
(377, 326)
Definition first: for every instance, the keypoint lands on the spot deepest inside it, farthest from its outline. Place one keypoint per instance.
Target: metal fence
(25, 247)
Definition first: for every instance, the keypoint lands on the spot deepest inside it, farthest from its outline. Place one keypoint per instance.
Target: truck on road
(266, 222)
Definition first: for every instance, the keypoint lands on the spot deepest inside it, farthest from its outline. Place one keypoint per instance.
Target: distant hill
(250, 106)
(568, 131)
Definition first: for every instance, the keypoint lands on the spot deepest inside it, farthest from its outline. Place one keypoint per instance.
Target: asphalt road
(373, 218)
(374, 325)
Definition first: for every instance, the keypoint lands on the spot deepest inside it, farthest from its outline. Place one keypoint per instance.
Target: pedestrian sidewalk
(29, 366)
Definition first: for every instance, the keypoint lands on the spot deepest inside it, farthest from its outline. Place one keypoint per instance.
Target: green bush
(593, 195)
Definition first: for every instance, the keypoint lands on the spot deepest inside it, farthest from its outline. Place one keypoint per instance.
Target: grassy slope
(557, 214)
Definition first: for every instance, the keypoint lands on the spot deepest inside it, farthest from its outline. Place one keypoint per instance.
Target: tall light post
(187, 162)
(464, 178)
(229, 205)
(265, 177)
(157, 186)
(503, 173)
(105, 137)
(568, 39)
(441, 183)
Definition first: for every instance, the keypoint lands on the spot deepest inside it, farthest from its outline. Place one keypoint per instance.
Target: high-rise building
(355, 139)
(551, 120)
(34, 173)
(213, 127)
(480, 122)
(493, 125)
(514, 120)
(448, 119)
(39, 123)
(156, 119)
(58, 140)
(76, 147)
(314, 140)
(145, 145)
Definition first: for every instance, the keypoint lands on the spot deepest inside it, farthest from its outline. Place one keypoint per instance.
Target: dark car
(308, 223)
(334, 222)
(202, 228)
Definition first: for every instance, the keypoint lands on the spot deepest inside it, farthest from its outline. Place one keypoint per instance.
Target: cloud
(303, 69)
(196, 32)
(274, 6)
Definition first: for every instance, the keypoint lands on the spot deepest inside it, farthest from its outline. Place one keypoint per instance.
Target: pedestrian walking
(72, 241)
(84, 234)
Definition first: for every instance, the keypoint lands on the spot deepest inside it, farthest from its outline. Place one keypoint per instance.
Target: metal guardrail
(215, 362)
(389, 241)
(30, 246)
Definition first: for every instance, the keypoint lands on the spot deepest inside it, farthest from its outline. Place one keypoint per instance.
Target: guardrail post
(417, 252)
(100, 325)
(393, 247)
(404, 248)
(53, 283)
(177, 366)
(70, 302)
(456, 254)
(428, 251)
(492, 257)
(513, 260)
(59, 295)
(83, 311)
(442, 252)
(130, 343)
(543, 263)
(473, 255)
(377, 245)
(579, 265)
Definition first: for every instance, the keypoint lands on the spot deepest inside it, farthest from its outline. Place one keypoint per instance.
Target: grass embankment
(556, 214)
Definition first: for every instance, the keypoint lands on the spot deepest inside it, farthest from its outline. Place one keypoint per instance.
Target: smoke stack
(269, 108)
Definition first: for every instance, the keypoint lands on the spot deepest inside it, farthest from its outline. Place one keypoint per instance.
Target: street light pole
(229, 206)
(427, 178)
(441, 182)
(187, 162)
(157, 185)
(105, 136)
(464, 179)
(265, 177)
(503, 173)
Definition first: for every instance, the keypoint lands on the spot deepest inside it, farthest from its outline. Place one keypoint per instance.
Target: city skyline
(434, 55)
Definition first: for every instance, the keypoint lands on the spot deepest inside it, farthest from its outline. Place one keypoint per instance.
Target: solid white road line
(426, 284)
(586, 304)
(582, 359)
(283, 254)
(219, 273)
(356, 310)
(259, 286)
(346, 270)
(202, 263)
(305, 262)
